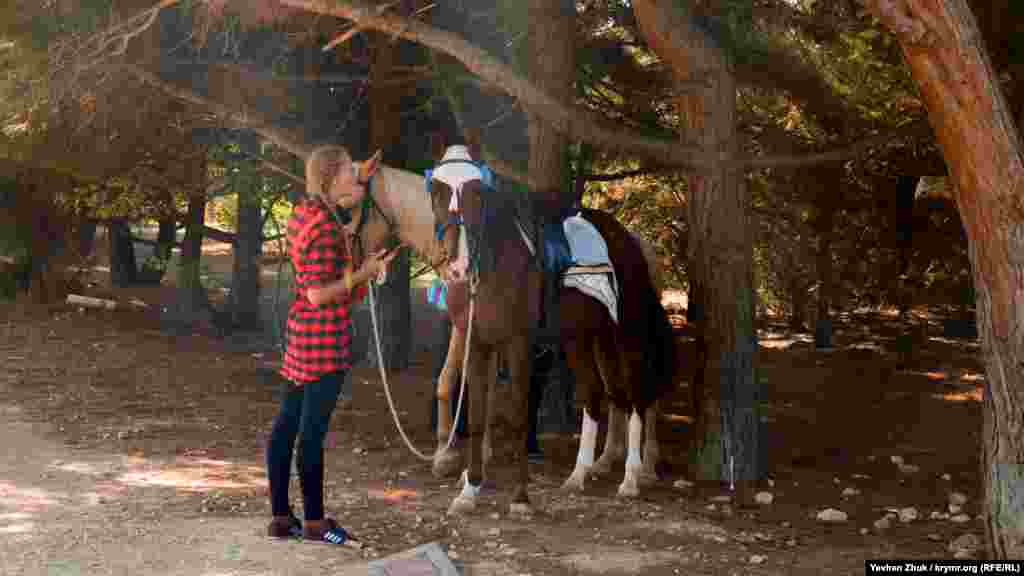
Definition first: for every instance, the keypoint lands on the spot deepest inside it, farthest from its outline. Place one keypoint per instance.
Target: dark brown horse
(630, 361)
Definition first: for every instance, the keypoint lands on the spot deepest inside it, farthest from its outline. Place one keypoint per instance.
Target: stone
(908, 514)
(832, 515)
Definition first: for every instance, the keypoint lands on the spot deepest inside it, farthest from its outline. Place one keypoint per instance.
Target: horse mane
(500, 212)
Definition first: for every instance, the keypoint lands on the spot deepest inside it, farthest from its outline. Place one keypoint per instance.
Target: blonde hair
(322, 166)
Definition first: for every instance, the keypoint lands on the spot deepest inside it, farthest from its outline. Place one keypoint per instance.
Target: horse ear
(473, 143)
(369, 168)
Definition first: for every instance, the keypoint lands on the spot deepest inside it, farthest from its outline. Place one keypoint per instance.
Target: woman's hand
(377, 263)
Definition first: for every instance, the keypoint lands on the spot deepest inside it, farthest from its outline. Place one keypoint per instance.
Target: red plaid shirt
(318, 337)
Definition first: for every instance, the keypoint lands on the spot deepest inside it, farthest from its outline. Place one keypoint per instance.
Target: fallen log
(90, 302)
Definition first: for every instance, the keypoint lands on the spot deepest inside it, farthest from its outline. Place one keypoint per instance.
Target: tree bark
(573, 121)
(123, 268)
(719, 243)
(824, 223)
(942, 44)
(551, 67)
(192, 304)
(244, 305)
(394, 297)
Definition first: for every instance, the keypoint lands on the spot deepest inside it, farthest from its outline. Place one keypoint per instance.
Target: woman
(319, 333)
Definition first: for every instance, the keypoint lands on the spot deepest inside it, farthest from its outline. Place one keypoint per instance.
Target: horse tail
(662, 364)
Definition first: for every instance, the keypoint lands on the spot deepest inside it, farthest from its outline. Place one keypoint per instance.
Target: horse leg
(630, 486)
(472, 478)
(652, 452)
(614, 445)
(517, 354)
(492, 401)
(447, 462)
(487, 448)
(581, 357)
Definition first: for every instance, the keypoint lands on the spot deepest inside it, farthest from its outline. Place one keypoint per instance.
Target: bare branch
(576, 122)
(278, 136)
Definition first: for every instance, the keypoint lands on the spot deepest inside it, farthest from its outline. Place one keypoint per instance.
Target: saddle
(562, 260)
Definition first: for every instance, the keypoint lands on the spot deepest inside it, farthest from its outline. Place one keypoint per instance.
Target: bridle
(366, 206)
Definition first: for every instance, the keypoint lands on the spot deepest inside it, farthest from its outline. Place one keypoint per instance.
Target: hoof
(629, 490)
(575, 482)
(448, 464)
(462, 505)
(649, 478)
(520, 510)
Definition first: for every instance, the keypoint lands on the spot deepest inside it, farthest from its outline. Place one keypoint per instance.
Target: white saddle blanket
(592, 273)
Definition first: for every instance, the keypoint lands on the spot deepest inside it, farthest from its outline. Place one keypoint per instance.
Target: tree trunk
(166, 237)
(244, 304)
(824, 225)
(191, 304)
(982, 148)
(551, 66)
(45, 230)
(395, 297)
(720, 245)
(87, 238)
(123, 268)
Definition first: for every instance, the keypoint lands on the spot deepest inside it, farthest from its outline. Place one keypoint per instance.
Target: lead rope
(474, 280)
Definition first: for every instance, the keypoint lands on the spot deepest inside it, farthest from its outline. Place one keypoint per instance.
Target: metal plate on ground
(426, 560)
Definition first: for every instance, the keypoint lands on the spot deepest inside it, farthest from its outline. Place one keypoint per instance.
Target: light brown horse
(632, 368)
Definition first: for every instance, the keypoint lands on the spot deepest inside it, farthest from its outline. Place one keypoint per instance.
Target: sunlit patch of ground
(782, 341)
(198, 475)
(618, 560)
(20, 499)
(393, 495)
(975, 395)
(677, 418)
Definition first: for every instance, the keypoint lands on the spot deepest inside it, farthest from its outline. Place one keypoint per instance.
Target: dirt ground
(129, 451)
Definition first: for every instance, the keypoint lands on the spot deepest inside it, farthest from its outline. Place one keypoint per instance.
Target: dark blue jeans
(308, 409)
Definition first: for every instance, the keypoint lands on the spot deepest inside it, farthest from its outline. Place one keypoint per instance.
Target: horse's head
(372, 228)
(451, 220)
(446, 227)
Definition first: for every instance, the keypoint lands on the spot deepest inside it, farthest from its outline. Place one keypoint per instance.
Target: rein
(366, 204)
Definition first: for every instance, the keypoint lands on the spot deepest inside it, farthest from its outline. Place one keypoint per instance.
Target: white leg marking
(629, 487)
(585, 456)
(466, 500)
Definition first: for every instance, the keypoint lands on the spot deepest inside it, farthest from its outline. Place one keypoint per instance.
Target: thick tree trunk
(966, 107)
(46, 231)
(166, 237)
(719, 243)
(551, 66)
(123, 268)
(191, 304)
(244, 305)
(385, 100)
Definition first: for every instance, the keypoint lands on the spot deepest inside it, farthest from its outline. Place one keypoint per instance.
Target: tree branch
(897, 17)
(578, 123)
(280, 137)
(616, 175)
